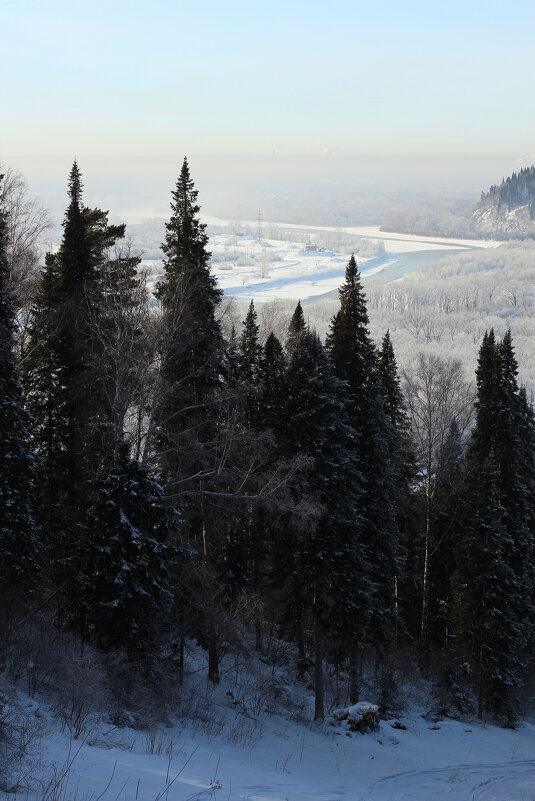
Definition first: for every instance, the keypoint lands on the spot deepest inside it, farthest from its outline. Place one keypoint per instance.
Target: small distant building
(310, 248)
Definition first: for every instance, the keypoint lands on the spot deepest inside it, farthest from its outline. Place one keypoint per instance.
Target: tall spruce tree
(355, 361)
(249, 348)
(18, 564)
(493, 581)
(188, 398)
(62, 368)
(271, 378)
(66, 387)
(328, 556)
(296, 328)
(192, 343)
(487, 631)
(249, 355)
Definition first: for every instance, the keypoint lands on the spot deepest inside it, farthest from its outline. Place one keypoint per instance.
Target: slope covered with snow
(251, 739)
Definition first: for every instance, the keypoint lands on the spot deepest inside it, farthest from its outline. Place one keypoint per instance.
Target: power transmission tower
(259, 226)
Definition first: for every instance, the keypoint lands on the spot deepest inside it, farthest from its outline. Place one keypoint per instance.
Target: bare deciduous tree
(438, 395)
(27, 221)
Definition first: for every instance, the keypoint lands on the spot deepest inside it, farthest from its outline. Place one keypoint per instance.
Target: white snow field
(250, 264)
(236, 745)
(452, 760)
(261, 269)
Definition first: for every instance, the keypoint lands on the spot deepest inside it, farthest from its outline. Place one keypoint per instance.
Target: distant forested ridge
(506, 211)
(513, 192)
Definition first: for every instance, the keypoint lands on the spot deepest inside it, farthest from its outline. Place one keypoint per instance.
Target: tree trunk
(480, 685)
(319, 712)
(396, 596)
(300, 638)
(213, 660)
(426, 596)
(256, 582)
(353, 675)
(181, 654)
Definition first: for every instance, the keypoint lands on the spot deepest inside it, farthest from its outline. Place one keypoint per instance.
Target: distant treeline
(516, 190)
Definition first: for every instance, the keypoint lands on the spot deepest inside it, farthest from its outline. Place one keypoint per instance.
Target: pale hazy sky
(138, 81)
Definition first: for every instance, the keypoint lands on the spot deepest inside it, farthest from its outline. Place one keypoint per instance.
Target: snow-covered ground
(249, 266)
(274, 759)
(251, 738)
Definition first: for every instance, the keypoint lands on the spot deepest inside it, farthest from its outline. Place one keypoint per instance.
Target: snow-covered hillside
(515, 222)
(251, 739)
(508, 209)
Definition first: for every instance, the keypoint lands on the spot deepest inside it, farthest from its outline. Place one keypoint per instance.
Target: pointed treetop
(75, 185)
(273, 348)
(296, 328)
(348, 339)
(185, 240)
(486, 363)
(352, 270)
(249, 347)
(386, 345)
(297, 323)
(509, 364)
(352, 297)
(390, 383)
(387, 357)
(272, 363)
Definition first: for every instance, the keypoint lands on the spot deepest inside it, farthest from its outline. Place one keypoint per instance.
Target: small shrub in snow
(80, 694)
(246, 732)
(362, 717)
(158, 742)
(19, 729)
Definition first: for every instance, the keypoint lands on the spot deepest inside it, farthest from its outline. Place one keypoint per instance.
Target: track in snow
(506, 781)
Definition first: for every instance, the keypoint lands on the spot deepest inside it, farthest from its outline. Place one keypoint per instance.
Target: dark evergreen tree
(45, 394)
(271, 378)
(488, 632)
(192, 344)
(62, 367)
(231, 361)
(126, 561)
(249, 348)
(328, 556)
(348, 340)
(393, 402)
(355, 362)
(190, 416)
(18, 564)
(249, 354)
(494, 585)
(296, 328)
